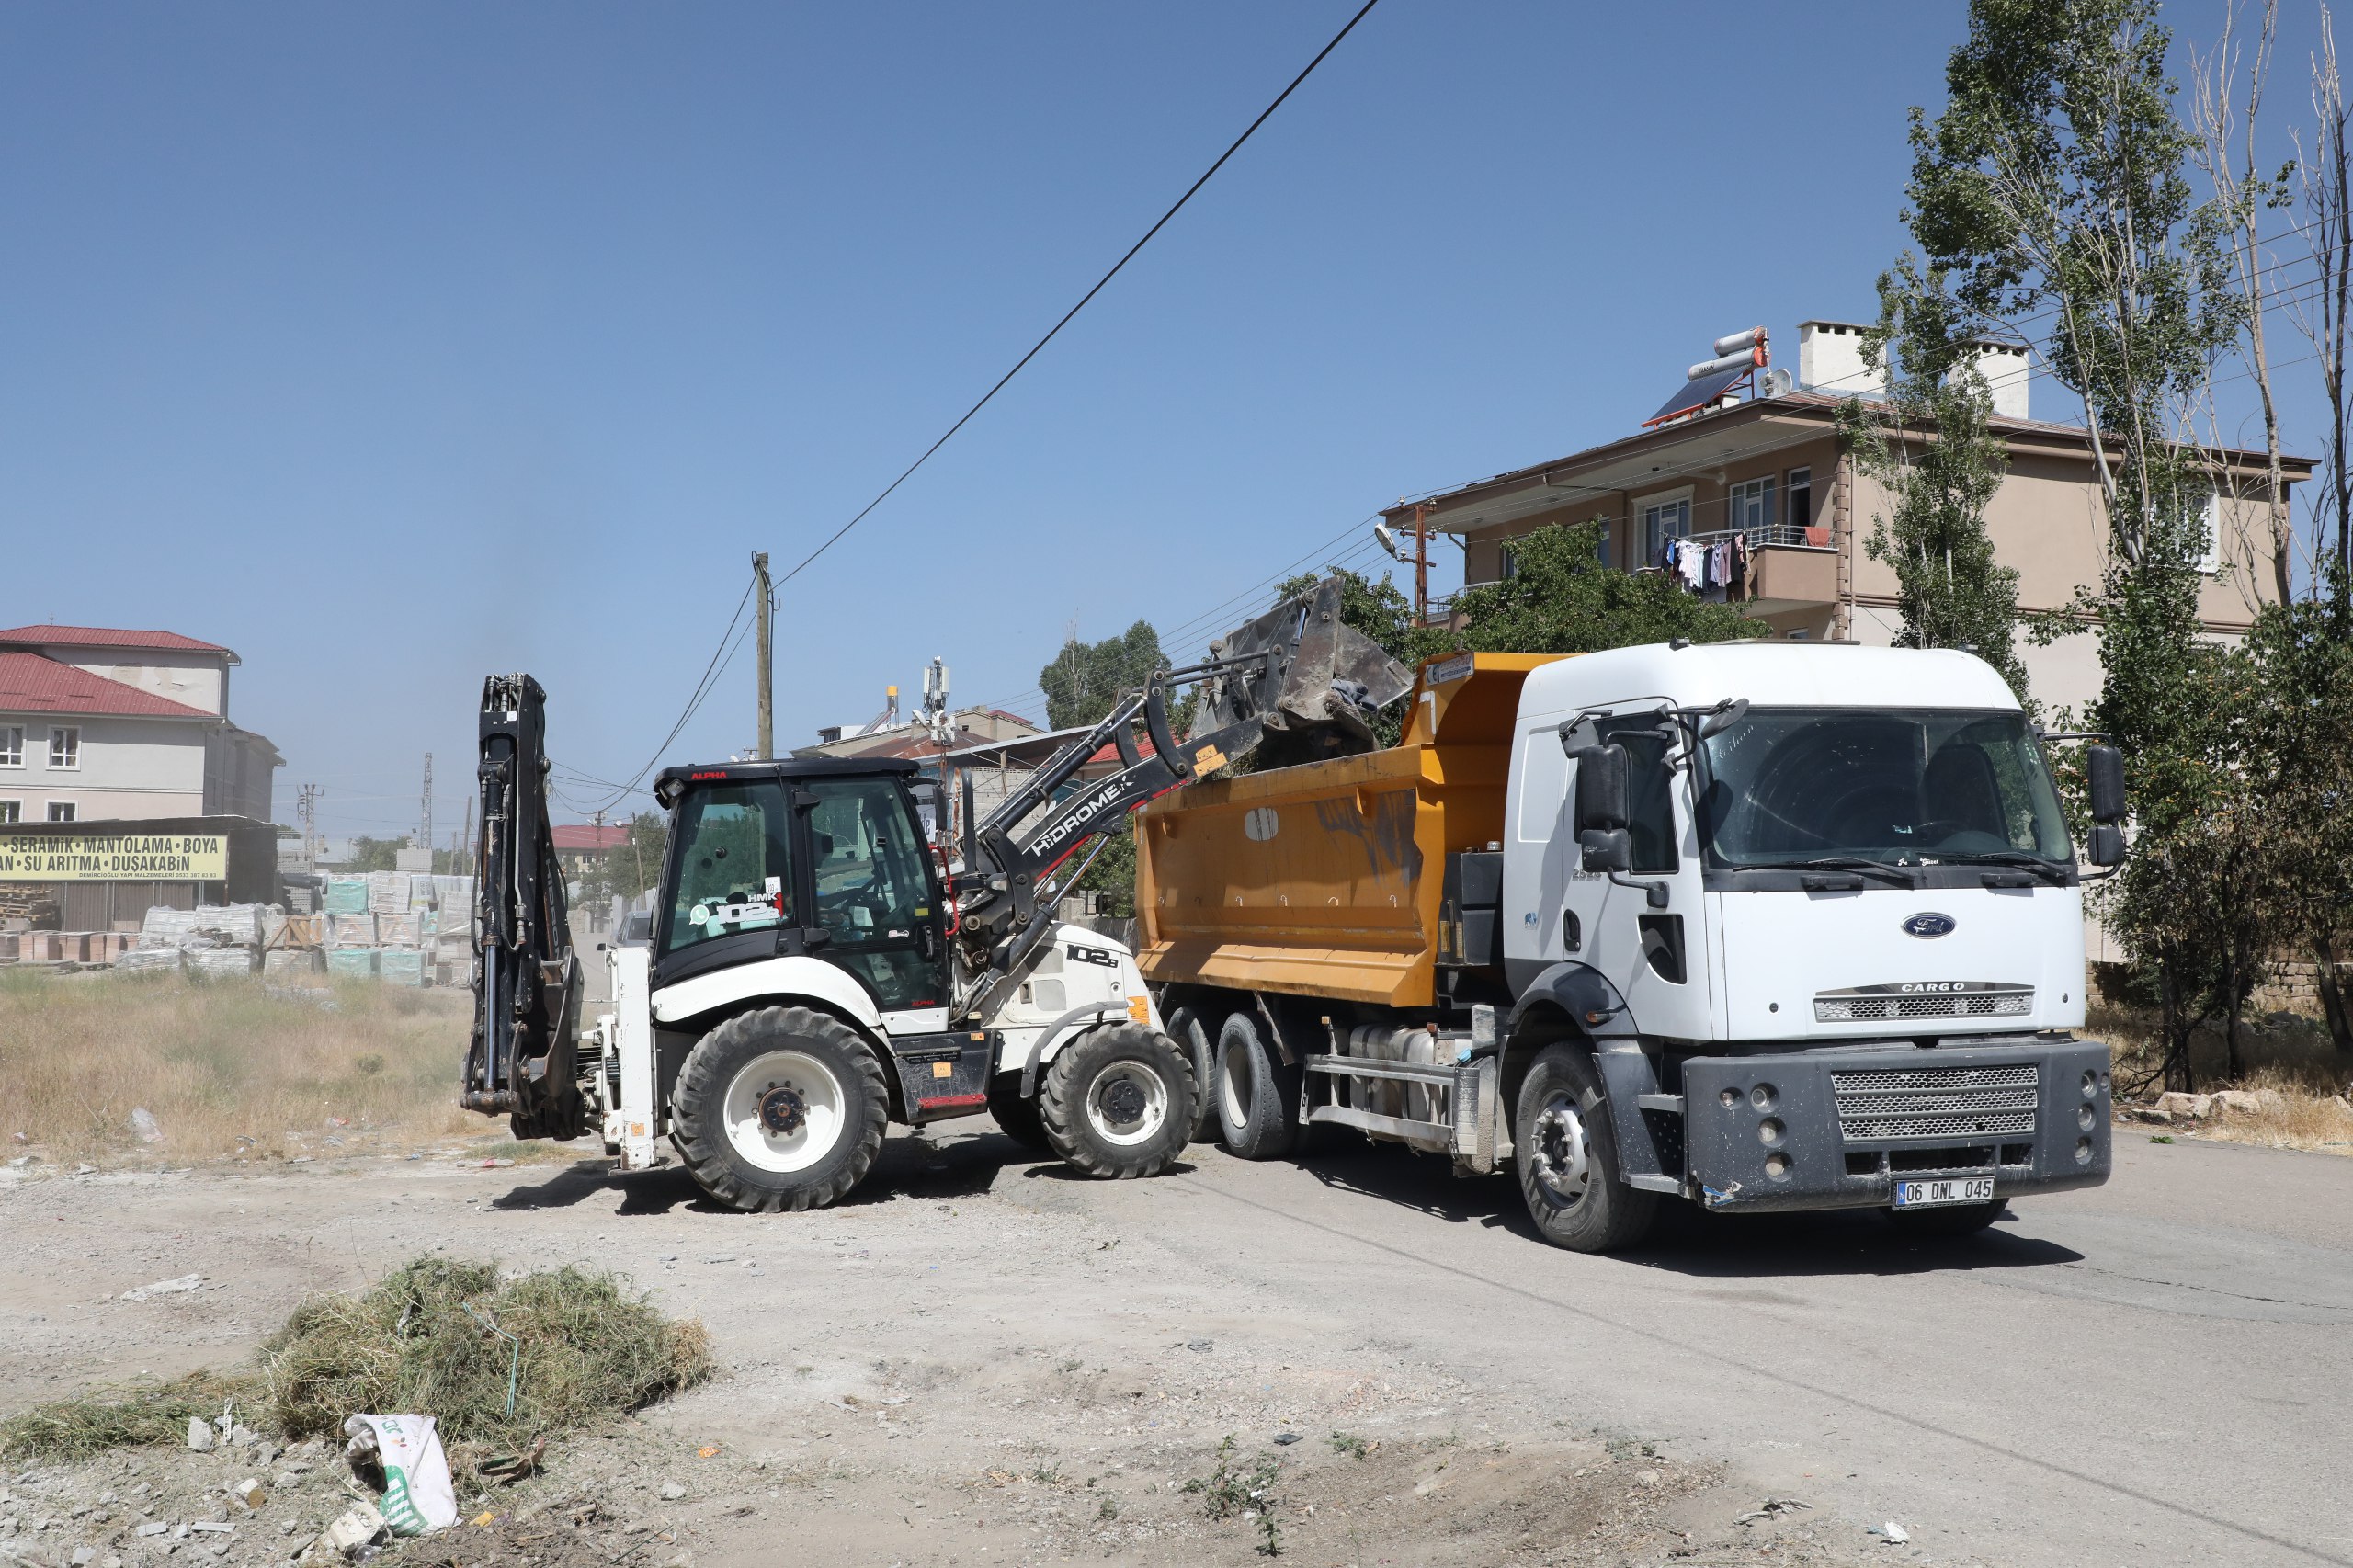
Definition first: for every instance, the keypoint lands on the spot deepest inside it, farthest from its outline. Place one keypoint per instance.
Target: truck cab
(1766, 926)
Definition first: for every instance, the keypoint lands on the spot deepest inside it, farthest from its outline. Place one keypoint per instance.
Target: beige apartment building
(106, 724)
(1771, 468)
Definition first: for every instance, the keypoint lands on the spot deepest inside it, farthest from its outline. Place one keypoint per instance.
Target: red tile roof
(32, 684)
(587, 835)
(103, 637)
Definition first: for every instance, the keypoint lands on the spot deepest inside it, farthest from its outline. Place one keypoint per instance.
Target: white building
(101, 724)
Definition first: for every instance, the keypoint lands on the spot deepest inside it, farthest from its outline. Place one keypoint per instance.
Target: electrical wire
(1083, 300)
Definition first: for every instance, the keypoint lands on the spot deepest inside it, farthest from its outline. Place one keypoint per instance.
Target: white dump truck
(1763, 925)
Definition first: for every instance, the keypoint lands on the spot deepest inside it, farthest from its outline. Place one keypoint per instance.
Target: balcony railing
(1769, 533)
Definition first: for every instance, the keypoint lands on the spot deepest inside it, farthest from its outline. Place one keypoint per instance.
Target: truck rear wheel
(1118, 1103)
(1258, 1096)
(1191, 1033)
(1015, 1118)
(1567, 1158)
(780, 1108)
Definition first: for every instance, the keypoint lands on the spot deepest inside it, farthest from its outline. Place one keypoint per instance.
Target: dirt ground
(964, 1365)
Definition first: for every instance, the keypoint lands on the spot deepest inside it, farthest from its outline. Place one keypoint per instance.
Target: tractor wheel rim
(1562, 1159)
(784, 1111)
(1127, 1103)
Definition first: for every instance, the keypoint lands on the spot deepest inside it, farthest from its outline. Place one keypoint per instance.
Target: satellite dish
(1388, 539)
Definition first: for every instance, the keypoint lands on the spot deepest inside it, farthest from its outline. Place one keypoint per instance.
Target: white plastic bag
(418, 1496)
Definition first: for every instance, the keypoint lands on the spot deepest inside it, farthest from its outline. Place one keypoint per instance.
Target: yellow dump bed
(1325, 880)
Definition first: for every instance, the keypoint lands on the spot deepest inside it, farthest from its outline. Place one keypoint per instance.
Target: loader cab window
(734, 857)
(873, 893)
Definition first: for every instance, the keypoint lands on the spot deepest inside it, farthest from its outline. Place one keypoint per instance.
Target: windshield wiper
(1856, 863)
(2051, 869)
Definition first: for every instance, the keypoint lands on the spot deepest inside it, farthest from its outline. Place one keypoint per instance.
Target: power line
(1189, 192)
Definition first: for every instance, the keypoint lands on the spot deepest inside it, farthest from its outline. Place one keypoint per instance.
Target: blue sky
(393, 345)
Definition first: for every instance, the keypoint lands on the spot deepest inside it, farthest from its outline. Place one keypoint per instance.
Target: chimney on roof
(1830, 360)
(2006, 368)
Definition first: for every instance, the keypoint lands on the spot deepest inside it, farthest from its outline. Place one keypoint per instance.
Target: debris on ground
(166, 1287)
(1771, 1508)
(130, 1416)
(1891, 1532)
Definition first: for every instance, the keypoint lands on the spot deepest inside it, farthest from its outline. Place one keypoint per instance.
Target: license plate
(1923, 1194)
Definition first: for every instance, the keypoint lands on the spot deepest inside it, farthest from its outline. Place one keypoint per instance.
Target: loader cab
(821, 857)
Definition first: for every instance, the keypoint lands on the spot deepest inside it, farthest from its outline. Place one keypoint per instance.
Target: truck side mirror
(1601, 790)
(2107, 847)
(2106, 766)
(1609, 850)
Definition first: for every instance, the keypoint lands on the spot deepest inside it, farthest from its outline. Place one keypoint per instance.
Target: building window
(65, 750)
(1601, 547)
(12, 810)
(61, 811)
(12, 746)
(1800, 497)
(1507, 563)
(2209, 530)
(1664, 518)
(1751, 505)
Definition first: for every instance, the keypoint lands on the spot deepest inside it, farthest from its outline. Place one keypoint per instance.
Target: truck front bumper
(1839, 1129)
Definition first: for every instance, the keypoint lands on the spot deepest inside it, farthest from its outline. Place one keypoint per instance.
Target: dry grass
(2309, 1104)
(131, 1417)
(226, 1070)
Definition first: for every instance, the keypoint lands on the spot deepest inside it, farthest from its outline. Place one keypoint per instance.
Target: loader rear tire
(1119, 1103)
(1190, 1030)
(1258, 1096)
(1015, 1118)
(780, 1108)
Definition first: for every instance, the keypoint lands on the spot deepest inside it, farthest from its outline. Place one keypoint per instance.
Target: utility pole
(424, 820)
(306, 807)
(1421, 564)
(768, 655)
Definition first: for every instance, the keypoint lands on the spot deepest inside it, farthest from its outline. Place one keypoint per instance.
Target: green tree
(1928, 443)
(1087, 680)
(1563, 600)
(374, 854)
(630, 867)
(2050, 190)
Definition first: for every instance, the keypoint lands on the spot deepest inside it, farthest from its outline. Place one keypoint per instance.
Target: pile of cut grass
(435, 1337)
(495, 1362)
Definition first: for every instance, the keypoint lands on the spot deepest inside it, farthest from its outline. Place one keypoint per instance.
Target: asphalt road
(2158, 1370)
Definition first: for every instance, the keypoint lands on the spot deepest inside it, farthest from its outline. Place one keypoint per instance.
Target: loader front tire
(1258, 1096)
(781, 1109)
(1119, 1103)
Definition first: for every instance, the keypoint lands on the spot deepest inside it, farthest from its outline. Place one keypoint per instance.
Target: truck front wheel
(1567, 1158)
(1119, 1103)
(780, 1108)
(1258, 1096)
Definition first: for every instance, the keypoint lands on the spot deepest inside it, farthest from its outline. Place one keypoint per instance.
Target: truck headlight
(2083, 1151)
(1769, 1131)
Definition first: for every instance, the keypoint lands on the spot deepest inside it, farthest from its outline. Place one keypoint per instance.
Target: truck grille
(1958, 999)
(1936, 1102)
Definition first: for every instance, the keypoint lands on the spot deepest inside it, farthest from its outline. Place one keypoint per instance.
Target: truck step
(1401, 1072)
(1438, 1132)
(1660, 1102)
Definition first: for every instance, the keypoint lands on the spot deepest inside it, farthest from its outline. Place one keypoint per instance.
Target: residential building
(577, 845)
(1770, 467)
(105, 724)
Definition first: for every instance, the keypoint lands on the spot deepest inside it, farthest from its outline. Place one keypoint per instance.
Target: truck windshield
(1797, 784)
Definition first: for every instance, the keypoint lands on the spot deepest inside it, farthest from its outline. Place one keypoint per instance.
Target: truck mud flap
(1647, 1124)
(943, 1076)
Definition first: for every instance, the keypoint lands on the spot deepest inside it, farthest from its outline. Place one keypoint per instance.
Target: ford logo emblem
(1929, 926)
